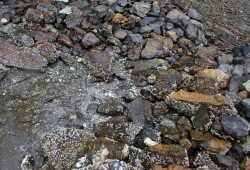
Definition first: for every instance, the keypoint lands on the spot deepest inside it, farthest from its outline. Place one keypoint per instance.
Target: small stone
(235, 126)
(115, 149)
(216, 74)
(67, 10)
(141, 8)
(152, 49)
(119, 18)
(121, 34)
(90, 40)
(216, 146)
(194, 14)
(117, 128)
(65, 40)
(172, 34)
(34, 15)
(191, 32)
(174, 15)
(169, 129)
(199, 98)
(185, 143)
(226, 162)
(16, 19)
(238, 70)
(176, 167)
(136, 38)
(4, 21)
(111, 107)
(27, 41)
(225, 59)
(140, 111)
(226, 68)
(246, 85)
(73, 20)
(246, 146)
(47, 50)
(245, 164)
(201, 120)
(145, 29)
(241, 51)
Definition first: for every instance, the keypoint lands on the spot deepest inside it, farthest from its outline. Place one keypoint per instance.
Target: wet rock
(65, 40)
(117, 128)
(34, 15)
(25, 58)
(111, 107)
(63, 146)
(47, 50)
(199, 98)
(216, 146)
(246, 85)
(217, 74)
(73, 20)
(242, 51)
(120, 34)
(115, 149)
(90, 40)
(166, 154)
(235, 126)
(174, 15)
(141, 8)
(169, 129)
(140, 111)
(226, 162)
(194, 14)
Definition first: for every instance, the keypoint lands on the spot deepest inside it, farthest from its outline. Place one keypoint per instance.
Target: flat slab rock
(25, 58)
(199, 98)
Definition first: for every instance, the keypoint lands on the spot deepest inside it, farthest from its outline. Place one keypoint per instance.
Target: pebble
(238, 70)
(136, 38)
(65, 40)
(141, 8)
(246, 85)
(237, 127)
(90, 40)
(27, 41)
(194, 14)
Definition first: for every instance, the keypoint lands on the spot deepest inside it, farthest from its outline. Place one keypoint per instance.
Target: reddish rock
(119, 18)
(65, 40)
(176, 167)
(25, 58)
(47, 50)
(245, 165)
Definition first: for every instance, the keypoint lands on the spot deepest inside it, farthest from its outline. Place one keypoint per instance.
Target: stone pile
(187, 104)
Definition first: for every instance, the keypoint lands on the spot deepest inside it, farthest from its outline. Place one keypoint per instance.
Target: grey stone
(237, 127)
(225, 59)
(136, 38)
(191, 32)
(141, 8)
(238, 70)
(111, 106)
(226, 162)
(90, 40)
(226, 68)
(246, 145)
(169, 129)
(194, 14)
(27, 41)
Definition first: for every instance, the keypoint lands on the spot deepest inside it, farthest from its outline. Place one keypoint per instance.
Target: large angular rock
(199, 98)
(235, 126)
(90, 40)
(117, 128)
(25, 58)
(63, 146)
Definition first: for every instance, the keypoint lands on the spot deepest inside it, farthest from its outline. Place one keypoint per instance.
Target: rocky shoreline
(119, 84)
